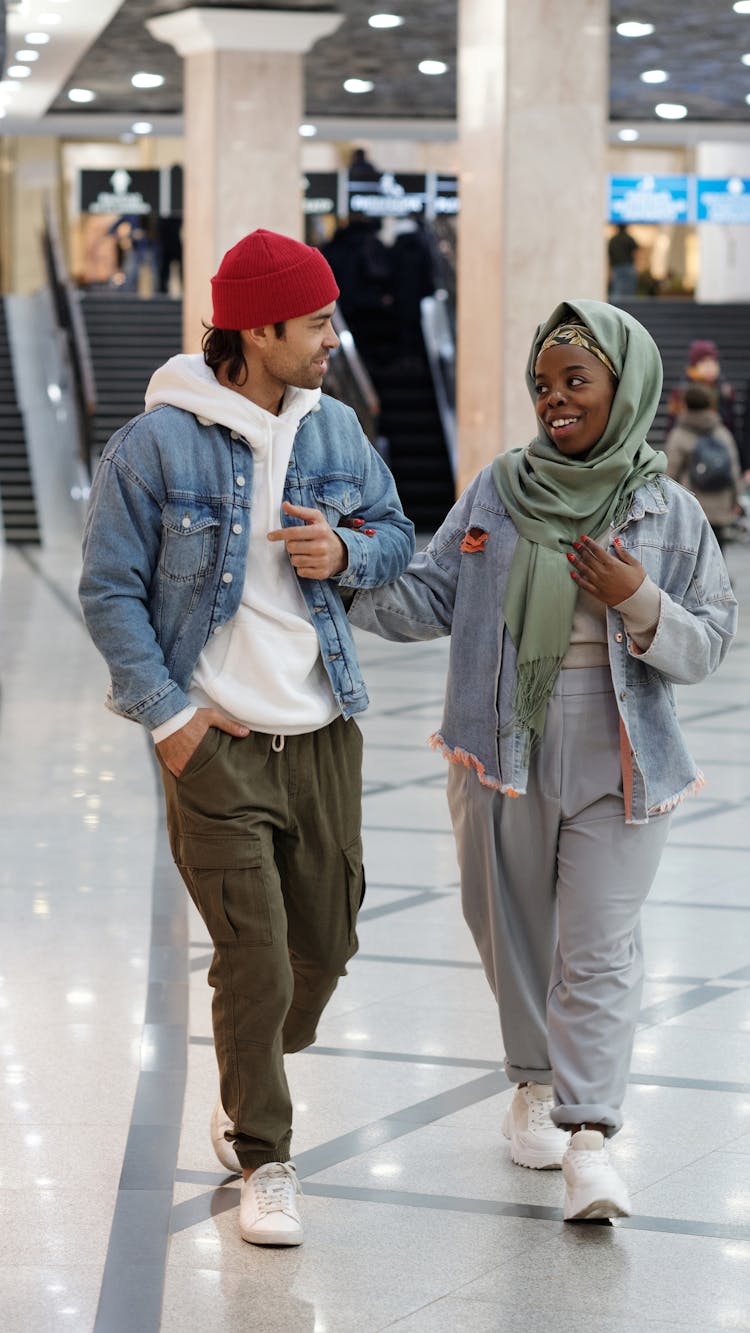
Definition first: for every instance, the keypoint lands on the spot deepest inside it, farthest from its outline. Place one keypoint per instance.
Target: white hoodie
(264, 669)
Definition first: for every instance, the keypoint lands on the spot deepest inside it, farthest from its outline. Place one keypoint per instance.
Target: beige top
(588, 639)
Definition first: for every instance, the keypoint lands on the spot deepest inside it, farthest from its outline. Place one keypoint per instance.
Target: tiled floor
(115, 1213)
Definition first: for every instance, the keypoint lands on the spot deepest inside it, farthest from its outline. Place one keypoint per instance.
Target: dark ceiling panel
(698, 43)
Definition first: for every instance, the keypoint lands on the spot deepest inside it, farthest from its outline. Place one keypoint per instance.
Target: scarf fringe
(457, 756)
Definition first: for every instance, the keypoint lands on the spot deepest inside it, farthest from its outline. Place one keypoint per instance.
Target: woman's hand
(610, 578)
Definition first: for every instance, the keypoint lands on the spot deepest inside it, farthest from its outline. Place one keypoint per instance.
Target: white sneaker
(268, 1206)
(534, 1140)
(592, 1186)
(220, 1123)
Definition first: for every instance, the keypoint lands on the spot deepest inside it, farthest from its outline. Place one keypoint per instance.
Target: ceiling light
(741, 6)
(358, 86)
(143, 80)
(8, 87)
(654, 76)
(29, 56)
(18, 71)
(36, 38)
(80, 95)
(747, 99)
(634, 29)
(432, 67)
(142, 127)
(745, 59)
(670, 110)
(628, 136)
(308, 131)
(3, 112)
(385, 21)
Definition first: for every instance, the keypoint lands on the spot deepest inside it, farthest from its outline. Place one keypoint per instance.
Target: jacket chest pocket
(189, 537)
(336, 499)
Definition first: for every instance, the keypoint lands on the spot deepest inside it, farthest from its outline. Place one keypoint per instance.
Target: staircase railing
(437, 331)
(70, 323)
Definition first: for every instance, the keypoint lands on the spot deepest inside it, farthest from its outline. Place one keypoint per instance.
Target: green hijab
(552, 500)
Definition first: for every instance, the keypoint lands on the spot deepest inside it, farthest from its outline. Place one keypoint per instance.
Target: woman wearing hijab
(579, 585)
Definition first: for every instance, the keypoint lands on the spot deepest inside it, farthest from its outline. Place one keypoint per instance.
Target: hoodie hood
(185, 381)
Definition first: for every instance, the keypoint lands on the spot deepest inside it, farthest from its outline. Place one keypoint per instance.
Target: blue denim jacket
(165, 547)
(450, 591)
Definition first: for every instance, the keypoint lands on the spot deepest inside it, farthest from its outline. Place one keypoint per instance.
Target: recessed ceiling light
(747, 99)
(18, 71)
(385, 21)
(741, 6)
(745, 59)
(308, 131)
(143, 80)
(80, 95)
(628, 136)
(432, 67)
(670, 110)
(142, 127)
(36, 38)
(358, 86)
(654, 76)
(634, 29)
(28, 56)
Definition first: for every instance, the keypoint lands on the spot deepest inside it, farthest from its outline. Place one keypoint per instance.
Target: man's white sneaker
(222, 1147)
(268, 1206)
(534, 1140)
(592, 1186)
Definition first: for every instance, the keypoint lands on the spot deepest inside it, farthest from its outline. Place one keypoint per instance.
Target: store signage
(722, 200)
(392, 196)
(321, 193)
(119, 191)
(445, 200)
(649, 199)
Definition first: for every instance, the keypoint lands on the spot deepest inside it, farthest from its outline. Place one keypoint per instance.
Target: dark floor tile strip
(681, 1004)
(693, 1084)
(698, 907)
(407, 1058)
(133, 1280)
(68, 603)
(403, 905)
(496, 1208)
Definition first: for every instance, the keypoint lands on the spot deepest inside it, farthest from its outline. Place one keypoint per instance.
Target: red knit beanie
(266, 278)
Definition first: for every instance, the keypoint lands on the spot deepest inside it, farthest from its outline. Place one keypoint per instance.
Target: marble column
(243, 100)
(533, 88)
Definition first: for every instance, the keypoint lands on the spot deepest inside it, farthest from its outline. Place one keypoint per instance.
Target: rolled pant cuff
(588, 1113)
(250, 1158)
(519, 1074)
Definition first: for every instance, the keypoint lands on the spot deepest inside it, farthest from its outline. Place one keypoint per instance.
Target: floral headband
(577, 335)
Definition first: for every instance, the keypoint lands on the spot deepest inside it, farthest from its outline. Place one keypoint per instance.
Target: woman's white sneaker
(268, 1206)
(220, 1123)
(534, 1140)
(592, 1186)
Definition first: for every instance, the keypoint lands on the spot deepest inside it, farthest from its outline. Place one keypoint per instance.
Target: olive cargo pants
(266, 833)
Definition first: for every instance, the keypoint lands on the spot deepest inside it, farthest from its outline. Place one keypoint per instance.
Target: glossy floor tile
(116, 1215)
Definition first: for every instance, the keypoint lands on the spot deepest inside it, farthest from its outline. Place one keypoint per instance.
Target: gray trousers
(552, 885)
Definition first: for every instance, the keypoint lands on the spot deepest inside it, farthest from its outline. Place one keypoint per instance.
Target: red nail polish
(369, 532)
(358, 522)
(577, 545)
(570, 557)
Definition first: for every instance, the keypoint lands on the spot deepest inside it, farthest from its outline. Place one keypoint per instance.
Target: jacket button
(234, 435)
(623, 694)
(237, 528)
(619, 636)
(227, 578)
(218, 629)
(240, 480)
(186, 521)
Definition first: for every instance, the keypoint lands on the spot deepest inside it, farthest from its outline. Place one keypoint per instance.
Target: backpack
(710, 465)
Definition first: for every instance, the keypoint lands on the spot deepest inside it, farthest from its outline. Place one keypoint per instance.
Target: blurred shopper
(704, 368)
(413, 279)
(362, 267)
(702, 455)
(579, 585)
(223, 524)
(622, 250)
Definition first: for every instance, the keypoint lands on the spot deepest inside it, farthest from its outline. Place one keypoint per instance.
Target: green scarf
(552, 500)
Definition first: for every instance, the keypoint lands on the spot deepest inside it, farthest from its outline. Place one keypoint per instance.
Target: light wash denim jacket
(165, 547)
(450, 591)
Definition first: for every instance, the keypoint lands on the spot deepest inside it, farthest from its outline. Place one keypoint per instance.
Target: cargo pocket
(355, 880)
(225, 879)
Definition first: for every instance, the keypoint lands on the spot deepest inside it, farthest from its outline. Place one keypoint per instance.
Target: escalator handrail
(70, 320)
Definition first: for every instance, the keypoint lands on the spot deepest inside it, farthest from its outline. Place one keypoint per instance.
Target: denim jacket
(457, 587)
(165, 547)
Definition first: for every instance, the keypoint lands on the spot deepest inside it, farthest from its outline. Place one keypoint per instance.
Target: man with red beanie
(223, 524)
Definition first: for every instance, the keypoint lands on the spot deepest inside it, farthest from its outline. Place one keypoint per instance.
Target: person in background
(578, 585)
(704, 368)
(702, 455)
(622, 250)
(224, 523)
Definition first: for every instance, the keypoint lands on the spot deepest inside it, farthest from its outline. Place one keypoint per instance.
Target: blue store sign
(725, 201)
(649, 199)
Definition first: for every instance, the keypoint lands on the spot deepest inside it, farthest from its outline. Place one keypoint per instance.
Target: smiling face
(574, 392)
(300, 356)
